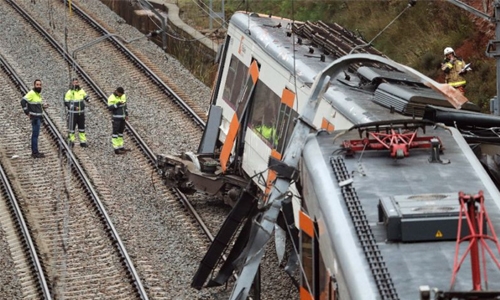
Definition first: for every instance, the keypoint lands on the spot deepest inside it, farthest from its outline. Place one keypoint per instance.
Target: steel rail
(103, 97)
(139, 141)
(40, 272)
(139, 64)
(16, 208)
(74, 162)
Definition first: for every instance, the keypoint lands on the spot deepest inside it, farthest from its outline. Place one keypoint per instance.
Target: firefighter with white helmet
(448, 50)
(454, 68)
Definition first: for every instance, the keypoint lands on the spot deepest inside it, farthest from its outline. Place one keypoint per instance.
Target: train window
(309, 252)
(333, 291)
(236, 75)
(246, 92)
(226, 95)
(307, 284)
(285, 125)
(264, 115)
(324, 278)
(316, 281)
(243, 99)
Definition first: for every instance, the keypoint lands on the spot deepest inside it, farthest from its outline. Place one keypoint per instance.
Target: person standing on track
(32, 104)
(75, 105)
(117, 103)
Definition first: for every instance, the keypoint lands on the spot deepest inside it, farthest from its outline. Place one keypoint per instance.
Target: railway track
(80, 259)
(20, 244)
(144, 162)
(142, 69)
(149, 69)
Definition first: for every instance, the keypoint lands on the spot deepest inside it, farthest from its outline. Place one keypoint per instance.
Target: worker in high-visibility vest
(269, 133)
(74, 100)
(117, 103)
(32, 104)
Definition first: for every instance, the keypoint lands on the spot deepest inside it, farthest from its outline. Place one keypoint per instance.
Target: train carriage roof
(420, 190)
(363, 93)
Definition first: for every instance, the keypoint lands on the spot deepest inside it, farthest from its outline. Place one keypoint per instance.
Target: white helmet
(448, 50)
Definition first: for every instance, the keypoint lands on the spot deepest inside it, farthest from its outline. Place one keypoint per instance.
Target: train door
(239, 116)
(283, 130)
(316, 281)
(221, 60)
(269, 127)
(237, 72)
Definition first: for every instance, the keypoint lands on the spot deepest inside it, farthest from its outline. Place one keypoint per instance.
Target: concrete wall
(193, 49)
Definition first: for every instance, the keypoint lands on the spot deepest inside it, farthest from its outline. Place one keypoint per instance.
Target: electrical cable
(378, 34)
(296, 102)
(50, 7)
(296, 249)
(63, 200)
(208, 13)
(296, 105)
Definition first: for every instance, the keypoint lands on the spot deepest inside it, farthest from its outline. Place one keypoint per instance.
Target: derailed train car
(348, 153)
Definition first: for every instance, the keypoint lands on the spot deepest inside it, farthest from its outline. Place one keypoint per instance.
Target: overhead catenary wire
(50, 7)
(296, 249)
(410, 4)
(296, 102)
(65, 167)
(207, 11)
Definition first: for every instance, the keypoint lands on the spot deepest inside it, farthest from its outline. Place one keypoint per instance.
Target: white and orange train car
(373, 205)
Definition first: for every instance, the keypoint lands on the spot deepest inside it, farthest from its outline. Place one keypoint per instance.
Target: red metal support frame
(399, 144)
(472, 207)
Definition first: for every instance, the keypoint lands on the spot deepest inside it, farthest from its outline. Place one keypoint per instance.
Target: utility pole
(214, 15)
(493, 50)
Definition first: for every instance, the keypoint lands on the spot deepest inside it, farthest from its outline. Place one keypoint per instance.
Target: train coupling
(199, 172)
(174, 170)
(191, 172)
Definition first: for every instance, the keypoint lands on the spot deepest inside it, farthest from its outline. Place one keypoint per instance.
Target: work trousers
(117, 135)
(36, 123)
(73, 121)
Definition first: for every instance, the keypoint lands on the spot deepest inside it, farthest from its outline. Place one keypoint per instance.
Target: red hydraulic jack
(399, 144)
(472, 207)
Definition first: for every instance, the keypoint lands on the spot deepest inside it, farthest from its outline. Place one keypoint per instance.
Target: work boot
(119, 151)
(38, 155)
(83, 145)
(71, 144)
(126, 149)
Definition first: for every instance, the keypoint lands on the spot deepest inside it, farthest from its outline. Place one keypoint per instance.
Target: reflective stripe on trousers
(117, 135)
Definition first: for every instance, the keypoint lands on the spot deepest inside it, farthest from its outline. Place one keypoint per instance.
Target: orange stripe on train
(288, 97)
(327, 125)
(228, 143)
(306, 224)
(305, 295)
